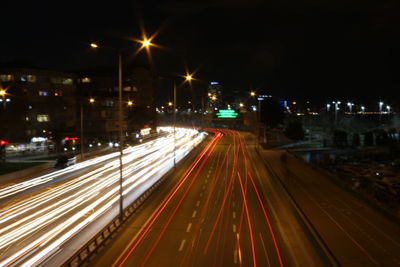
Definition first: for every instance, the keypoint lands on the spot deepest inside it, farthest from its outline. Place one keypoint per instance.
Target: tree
(295, 131)
(271, 113)
(382, 138)
(340, 138)
(356, 140)
(368, 139)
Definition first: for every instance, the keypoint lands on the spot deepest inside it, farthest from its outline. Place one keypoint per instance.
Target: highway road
(355, 233)
(222, 208)
(68, 206)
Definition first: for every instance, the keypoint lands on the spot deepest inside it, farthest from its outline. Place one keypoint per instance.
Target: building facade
(50, 105)
(38, 103)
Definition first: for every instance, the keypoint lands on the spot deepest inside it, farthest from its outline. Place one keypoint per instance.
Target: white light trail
(34, 226)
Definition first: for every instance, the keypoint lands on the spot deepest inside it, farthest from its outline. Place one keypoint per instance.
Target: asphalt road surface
(223, 208)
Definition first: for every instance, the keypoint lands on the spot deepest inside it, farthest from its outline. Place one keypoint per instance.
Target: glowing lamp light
(146, 43)
(94, 45)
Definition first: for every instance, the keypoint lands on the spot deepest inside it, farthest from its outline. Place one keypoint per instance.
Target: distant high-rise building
(214, 93)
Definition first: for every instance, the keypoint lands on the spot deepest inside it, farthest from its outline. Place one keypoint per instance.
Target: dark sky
(293, 48)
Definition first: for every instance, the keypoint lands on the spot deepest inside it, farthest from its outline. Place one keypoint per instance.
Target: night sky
(311, 49)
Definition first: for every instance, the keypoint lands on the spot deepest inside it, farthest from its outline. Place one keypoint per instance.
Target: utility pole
(81, 131)
(174, 123)
(121, 207)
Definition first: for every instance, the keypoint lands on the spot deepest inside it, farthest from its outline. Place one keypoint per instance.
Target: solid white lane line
(265, 250)
(182, 244)
(188, 228)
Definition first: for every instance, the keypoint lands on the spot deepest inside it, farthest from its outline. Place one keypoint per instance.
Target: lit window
(6, 77)
(67, 81)
(43, 93)
(57, 92)
(43, 118)
(86, 80)
(109, 103)
(31, 78)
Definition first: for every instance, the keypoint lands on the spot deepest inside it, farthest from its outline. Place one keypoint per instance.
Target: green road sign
(227, 114)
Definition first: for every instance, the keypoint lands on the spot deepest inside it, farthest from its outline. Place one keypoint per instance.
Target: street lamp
(350, 105)
(188, 78)
(3, 96)
(328, 106)
(145, 44)
(91, 101)
(363, 109)
(337, 103)
(380, 109)
(388, 109)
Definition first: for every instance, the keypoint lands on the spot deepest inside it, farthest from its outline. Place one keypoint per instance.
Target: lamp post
(145, 44)
(91, 101)
(350, 105)
(174, 106)
(3, 96)
(337, 103)
(188, 78)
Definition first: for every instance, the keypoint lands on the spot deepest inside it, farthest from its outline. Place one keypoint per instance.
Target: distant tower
(214, 94)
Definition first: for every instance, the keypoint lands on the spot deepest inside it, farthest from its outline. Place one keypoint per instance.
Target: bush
(295, 131)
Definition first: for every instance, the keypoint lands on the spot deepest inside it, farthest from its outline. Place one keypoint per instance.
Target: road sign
(227, 114)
